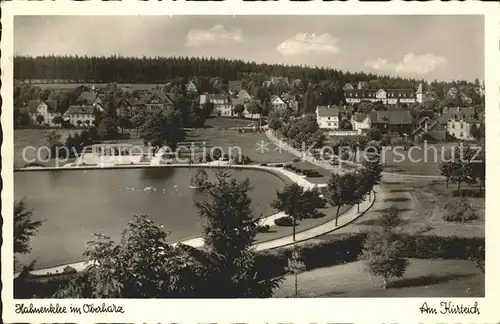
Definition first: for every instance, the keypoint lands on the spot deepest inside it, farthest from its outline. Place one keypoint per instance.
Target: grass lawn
(226, 122)
(432, 198)
(423, 278)
(250, 144)
(36, 138)
(421, 205)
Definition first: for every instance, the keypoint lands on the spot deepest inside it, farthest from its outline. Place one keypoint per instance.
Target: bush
(69, 269)
(468, 193)
(341, 249)
(459, 211)
(34, 164)
(263, 228)
(284, 221)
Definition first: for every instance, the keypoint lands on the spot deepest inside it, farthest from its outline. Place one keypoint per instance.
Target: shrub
(283, 221)
(341, 249)
(263, 228)
(459, 211)
(468, 193)
(69, 269)
(34, 164)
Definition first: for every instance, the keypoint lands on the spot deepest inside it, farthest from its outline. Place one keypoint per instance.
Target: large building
(387, 97)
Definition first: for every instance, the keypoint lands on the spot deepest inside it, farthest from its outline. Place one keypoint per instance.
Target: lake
(77, 203)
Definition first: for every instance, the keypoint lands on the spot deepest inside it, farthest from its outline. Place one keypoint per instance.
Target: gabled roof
(88, 96)
(164, 98)
(234, 86)
(359, 117)
(348, 86)
(391, 117)
(360, 93)
(278, 80)
(237, 101)
(213, 96)
(327, 111)
(371, 93)
(243, 93)
(75, 109)
(33, 105)
(459, 112)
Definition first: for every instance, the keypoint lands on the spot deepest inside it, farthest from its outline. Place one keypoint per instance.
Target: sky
(424, 47)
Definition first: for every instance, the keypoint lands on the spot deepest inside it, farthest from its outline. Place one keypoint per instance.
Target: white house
(43, 112)
(222, 105)
(360, 122)
(283, 102)
(328, 117)
(80, 116)
(462, 129)
(387, 97)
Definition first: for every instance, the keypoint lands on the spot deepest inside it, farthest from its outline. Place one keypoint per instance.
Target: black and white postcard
(321, 162)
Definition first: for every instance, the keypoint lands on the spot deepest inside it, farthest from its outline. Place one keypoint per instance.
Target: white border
(318, 310)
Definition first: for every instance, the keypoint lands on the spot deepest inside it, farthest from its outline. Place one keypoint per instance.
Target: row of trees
(343, 189)
(162, 69)
(303, 132)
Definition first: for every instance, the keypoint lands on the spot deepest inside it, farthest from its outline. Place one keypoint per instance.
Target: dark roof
(464, 112)
(121, 101)
(234, 86)
(88, 96)
(33, 105)
(391, 117)
(72, 110)
(422, 119)
(371, 93)
(213, 96)
(359, 117)
(328, 111)
(362, 93)
(238, 101)
(165, 98)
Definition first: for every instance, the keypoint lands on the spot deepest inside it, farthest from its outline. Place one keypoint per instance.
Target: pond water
(77, 203)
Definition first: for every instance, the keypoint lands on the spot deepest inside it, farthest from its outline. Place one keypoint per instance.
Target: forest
(162, 69)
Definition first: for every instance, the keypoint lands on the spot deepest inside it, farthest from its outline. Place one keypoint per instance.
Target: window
(335, 124)
(328, 118)
(461, 134)
(462, 125)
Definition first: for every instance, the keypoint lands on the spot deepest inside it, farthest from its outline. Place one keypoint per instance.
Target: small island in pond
(199, 180)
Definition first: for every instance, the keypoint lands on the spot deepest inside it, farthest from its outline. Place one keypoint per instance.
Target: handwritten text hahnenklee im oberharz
(63, 309)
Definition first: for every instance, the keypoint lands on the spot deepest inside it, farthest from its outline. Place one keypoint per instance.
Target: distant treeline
(162, 69)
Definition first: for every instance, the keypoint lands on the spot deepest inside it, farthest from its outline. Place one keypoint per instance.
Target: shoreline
(284, 175)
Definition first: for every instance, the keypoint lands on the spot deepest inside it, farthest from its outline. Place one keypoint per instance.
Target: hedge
(347, 248)
(468, 193)
(333, 250)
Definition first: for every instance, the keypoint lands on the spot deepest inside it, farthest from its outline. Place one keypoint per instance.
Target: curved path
(344, 219)
(325, 165)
